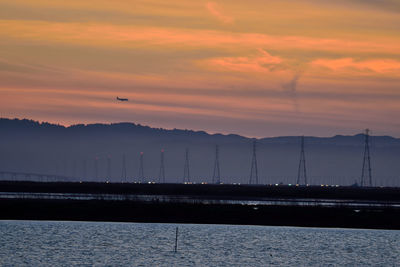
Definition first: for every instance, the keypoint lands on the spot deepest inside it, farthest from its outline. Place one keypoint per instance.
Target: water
(205, 200)
(33, 243)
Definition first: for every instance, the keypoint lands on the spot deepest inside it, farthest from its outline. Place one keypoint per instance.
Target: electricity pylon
(96, 168)
(123, 174)
(254, 169)
(302, 165)
(108, 167)
(141, 169)
(161, 175)
(217, 174)
(186, 169)
(84, 169)
(366, 162)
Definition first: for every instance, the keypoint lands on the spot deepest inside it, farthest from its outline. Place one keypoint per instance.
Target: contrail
(291, 89)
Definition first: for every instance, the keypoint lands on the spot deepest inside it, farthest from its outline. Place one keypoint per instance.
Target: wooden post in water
(176, 240)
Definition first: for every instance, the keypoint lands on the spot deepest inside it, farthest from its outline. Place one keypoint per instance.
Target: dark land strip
(308, 206)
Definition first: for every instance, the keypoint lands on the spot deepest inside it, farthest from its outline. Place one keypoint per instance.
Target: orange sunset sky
(255, 67)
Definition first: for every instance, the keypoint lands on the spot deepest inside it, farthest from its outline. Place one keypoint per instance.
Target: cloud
(263, 62)
(214, 9)
(111, 36)
(15, 67)
(383, 5)
(194, 59)
(378, 66)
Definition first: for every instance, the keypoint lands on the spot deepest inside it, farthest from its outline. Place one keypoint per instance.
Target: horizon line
(180, 129)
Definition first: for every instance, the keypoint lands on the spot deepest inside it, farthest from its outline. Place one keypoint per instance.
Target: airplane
(122, 99)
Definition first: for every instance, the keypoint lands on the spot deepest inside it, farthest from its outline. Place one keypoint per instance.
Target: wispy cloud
(262, 62)
(215, 10)
(101, 35)
(379, 66)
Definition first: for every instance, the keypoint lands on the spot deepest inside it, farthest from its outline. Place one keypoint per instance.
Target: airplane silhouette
(122, 99)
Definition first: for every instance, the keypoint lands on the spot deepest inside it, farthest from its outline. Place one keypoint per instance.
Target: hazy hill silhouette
(27, 145)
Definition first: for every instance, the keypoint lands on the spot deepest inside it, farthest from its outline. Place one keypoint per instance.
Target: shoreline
(206, 204)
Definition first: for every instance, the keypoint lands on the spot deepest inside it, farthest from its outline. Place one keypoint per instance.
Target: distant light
(276, 184)
(289, 184)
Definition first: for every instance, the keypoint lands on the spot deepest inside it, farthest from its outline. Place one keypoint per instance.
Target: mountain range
(40, 147)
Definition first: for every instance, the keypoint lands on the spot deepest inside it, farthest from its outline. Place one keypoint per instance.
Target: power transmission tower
(84, 169)
(123, 174)
(302, 165)
(366, 162)
(64, 172)
(186, 170)
(254, 169)
(57, 169)
(109, 167)
(141, 170)
(96, 170)
(161, 175)
(74, 169)
(216, 175)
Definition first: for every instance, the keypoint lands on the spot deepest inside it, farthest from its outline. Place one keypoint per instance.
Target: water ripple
(34, 243)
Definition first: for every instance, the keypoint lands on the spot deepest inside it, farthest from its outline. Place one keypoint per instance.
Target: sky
(257, 68)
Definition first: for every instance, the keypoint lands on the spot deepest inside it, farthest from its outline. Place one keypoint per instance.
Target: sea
(50, 243)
